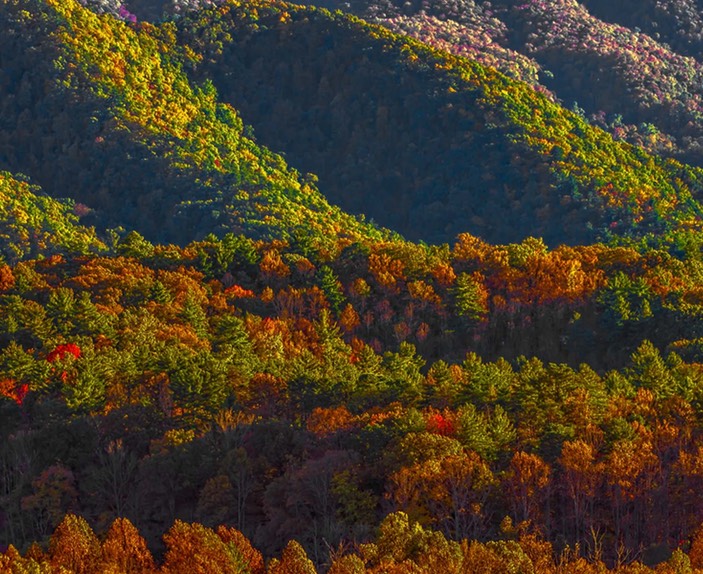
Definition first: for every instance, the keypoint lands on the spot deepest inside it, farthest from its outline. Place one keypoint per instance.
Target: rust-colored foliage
(74, 546)
(253, 560)
(195, 549)
(125, 551)
(326, 421)
(294, 560)
(7, 279)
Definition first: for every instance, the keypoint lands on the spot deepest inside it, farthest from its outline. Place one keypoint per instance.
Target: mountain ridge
(125, 122)
(504, 117)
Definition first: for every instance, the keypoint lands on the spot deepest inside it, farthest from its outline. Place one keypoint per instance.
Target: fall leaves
(186, 381)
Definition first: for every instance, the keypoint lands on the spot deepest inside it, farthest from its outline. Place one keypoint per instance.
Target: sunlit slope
(634, 67)
(613, 70)
(428, 143)
(676, 22)
(34, 225)
(100, 111)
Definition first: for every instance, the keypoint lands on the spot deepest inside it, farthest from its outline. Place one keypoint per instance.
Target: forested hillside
(103, 113)
(454, 145)
(633, 68)
(210, 362)
(215, 382)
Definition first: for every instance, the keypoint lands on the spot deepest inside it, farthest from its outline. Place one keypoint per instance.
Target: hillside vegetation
(102, 113)
(453, 145)
(633, 68)
(210, 362)
(32, 224)
(241, 383)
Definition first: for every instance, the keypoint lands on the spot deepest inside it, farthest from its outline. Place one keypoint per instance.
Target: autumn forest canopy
(353, 287)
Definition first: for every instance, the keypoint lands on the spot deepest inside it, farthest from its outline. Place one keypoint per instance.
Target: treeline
(401, 547)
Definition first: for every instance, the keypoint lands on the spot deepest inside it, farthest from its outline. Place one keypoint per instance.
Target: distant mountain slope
(464, 27)
(679, 23)
(607, 67)
(424, 142)
(101, 112)
(428, 144)
(633, 67)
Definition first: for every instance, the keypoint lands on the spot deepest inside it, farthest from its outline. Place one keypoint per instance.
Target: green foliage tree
(470, 297)
(403, 374)
(332, 288)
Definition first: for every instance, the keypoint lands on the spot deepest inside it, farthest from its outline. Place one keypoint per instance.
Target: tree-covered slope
(241, 383)
(633, 67)
(679, 23)
(424, 142)
(463, 27)
(607, 67)
(650, 46)
(33, 224)
(99, 110)
(120, 128)
(348, 401)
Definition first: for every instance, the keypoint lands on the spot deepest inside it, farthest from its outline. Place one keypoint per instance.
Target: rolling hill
(459, 147)
(102, 113)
